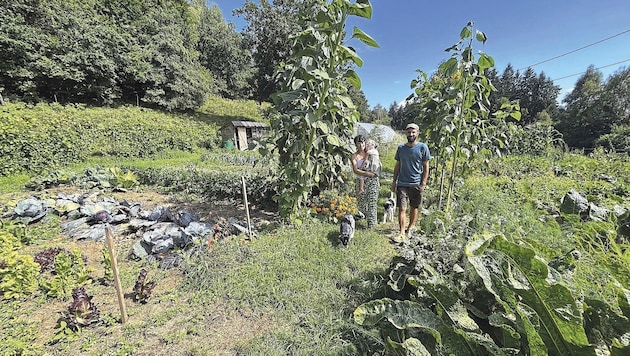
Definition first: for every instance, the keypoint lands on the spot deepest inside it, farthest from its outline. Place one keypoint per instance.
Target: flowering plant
(333, 204)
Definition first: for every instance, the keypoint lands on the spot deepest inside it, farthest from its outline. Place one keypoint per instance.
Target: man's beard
(410, 139)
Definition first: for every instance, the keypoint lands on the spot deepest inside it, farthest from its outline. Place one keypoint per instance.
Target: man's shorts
(413, 194)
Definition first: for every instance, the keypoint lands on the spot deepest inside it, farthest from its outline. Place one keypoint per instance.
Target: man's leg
(402, 212)
(401, 200)
(415, 199)
(413, 215)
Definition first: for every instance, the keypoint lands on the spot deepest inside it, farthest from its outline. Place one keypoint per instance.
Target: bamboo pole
(109, 241)
(249, 225)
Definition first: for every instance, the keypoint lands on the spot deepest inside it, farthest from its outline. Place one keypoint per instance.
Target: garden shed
(240, 134)
(380, 133)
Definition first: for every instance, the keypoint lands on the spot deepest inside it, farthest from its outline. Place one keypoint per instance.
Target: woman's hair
(359, 138)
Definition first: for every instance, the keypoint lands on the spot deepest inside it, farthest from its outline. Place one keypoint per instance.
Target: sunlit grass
(311, 284)
(13, 183)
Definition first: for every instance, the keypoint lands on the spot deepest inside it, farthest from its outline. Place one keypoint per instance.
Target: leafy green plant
(315, 116)
(64, 333)
(18, 275)
(454, 108)
(521, 308)
(123, 179)
(68, 270)
(108, 276)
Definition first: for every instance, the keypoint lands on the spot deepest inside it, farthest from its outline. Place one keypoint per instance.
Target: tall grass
(303, 279)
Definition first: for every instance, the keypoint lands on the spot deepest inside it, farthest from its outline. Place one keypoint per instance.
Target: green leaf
(410, 346)
(449, 67)
(485, 61)
(333, 140)
(481, 37)
(554, 304)
(465, 32)
(402, 314)
(322, 126)
(516, 115)
(361, 8)
(320, 74)
(289, 95)
(349, 53)
(353, 78)
(363, 37)
(297, 84)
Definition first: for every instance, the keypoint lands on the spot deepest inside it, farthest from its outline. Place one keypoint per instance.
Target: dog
(389, 209)
(346, 229)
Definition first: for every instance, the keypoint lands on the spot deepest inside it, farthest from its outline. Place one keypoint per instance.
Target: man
(410, 177)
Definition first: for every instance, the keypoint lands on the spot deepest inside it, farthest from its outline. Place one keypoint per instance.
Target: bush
(42, 137)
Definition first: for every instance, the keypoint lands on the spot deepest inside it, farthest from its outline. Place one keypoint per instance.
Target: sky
(566, 35)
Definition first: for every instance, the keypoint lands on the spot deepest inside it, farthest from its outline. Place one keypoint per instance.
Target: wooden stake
(109, 241)
(249, 225)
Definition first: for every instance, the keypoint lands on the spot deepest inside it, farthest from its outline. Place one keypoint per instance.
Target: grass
(304, 282)
(10, 184)
(290, 291)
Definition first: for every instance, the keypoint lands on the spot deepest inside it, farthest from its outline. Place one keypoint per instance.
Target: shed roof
(248, 124)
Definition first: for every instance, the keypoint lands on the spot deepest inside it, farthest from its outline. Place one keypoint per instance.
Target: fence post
(109, 241)
(249, 224)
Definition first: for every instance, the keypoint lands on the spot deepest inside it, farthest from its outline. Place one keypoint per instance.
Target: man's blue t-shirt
(411, 158)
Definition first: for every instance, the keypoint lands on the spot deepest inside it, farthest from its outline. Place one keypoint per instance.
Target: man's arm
(395, 178)
(425, 174)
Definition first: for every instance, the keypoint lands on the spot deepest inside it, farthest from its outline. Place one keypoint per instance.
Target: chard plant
(108, 274)
(315, 116)
(503, 299)
(454, 110)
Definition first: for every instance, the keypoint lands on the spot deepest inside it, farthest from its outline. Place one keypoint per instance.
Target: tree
(269, 26)
(381, 116)
(224, 54)
(535, 93)
(616, 98)
(615, 101)
(103, 51)
(582, 121)
(54, 49)
(397, 113)
(360, 101)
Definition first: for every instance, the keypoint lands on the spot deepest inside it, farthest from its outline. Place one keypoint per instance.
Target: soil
(222, 329)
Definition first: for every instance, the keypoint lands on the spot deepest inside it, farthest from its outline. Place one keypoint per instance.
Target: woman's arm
(356, 169)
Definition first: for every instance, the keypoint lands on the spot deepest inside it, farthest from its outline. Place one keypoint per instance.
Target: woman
(366, 200)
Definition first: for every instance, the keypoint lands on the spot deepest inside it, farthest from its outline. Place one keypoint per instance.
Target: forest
(172, 54)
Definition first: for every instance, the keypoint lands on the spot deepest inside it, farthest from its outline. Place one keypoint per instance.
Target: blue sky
(413, 34)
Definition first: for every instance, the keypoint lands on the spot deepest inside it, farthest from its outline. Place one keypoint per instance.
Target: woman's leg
(361, 199)
(371, 198)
